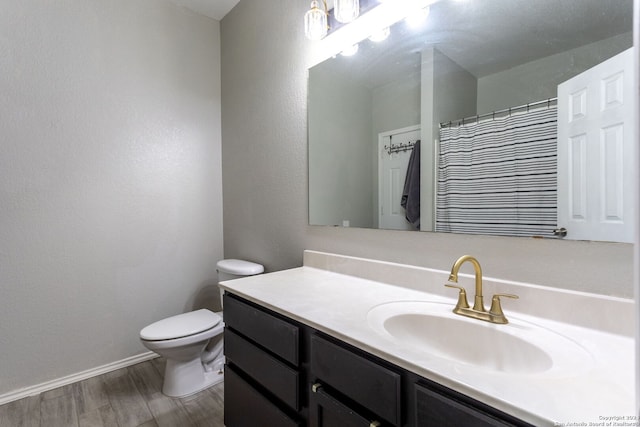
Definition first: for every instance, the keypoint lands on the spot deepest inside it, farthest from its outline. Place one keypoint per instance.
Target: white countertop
(337, 304)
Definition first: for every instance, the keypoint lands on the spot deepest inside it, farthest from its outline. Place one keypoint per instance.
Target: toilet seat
(182, 325)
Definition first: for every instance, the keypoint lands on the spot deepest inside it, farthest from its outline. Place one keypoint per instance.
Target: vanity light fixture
(350, 51)
(377, 16)
(380, 35)
(315, 21)
(346, 11)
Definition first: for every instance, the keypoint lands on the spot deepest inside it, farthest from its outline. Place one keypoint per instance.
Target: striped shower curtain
(499, 176)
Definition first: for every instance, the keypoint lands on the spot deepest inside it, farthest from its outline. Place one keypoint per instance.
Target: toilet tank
(229, 269)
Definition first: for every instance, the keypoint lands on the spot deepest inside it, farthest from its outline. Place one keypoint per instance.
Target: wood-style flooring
(128, 397)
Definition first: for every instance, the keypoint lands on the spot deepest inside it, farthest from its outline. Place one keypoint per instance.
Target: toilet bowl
(192, 342)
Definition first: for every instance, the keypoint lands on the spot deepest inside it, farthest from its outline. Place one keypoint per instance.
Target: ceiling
(215, 9)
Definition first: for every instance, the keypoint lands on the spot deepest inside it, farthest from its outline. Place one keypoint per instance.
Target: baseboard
(70, 379)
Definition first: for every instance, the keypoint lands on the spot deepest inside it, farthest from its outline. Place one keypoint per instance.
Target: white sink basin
(519, 347)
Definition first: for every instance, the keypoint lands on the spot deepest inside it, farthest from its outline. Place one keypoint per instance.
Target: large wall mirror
(500, 117)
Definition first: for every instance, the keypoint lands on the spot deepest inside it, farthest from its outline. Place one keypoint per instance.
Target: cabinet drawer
(437, 409)
(327, 411)
(275, 376)
(369, 384)
(244, 406)
(271, 332)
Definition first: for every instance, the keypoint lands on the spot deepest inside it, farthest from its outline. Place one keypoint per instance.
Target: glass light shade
(346, 10)
(350, 51)
(315, 22)
(380, 35)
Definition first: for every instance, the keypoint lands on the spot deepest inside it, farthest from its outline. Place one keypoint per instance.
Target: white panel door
(596, 149)
(392, 170)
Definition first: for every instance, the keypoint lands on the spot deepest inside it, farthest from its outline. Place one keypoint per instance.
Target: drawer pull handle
(375, 424)
(316, 387)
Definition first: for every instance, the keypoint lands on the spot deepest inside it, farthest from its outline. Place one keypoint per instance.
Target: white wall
(110, 178)
(264, 88)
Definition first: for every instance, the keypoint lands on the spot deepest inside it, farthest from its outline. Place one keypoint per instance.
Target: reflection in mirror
(499, 93)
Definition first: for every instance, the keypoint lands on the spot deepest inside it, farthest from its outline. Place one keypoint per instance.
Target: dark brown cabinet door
(436, 409)
(244, 406)
(326, 411)
(272, 333)
(364, 381)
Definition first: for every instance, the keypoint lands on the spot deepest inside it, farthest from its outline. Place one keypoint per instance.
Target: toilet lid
(239, 267)
(181, 325)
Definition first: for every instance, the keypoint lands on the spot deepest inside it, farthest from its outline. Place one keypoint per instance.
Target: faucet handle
(462, 296)
(496, 308)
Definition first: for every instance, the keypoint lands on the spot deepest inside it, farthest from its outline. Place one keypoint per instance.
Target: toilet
(192, 343)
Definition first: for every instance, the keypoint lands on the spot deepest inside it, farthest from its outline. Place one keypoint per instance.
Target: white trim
(79, 376)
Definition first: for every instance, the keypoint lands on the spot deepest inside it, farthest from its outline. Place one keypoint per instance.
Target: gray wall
(340, 109)
(454, 92)
(396, 104)
(345, 116)
(448, 90)
(539, 80)
(264, 75)
(110, 178)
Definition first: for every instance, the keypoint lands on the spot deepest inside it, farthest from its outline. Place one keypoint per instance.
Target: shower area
(496, 173)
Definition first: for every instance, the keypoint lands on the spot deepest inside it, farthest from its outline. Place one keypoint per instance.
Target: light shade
(346, 10)
(315, 22)
(380, 35)
(350, 51)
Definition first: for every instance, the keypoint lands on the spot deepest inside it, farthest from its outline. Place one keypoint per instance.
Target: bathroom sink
(519, 347)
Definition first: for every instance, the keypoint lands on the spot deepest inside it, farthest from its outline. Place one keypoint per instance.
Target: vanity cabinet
(437, 406)
(351, 386)
(262, 372)
(283, 373)
(327, 410)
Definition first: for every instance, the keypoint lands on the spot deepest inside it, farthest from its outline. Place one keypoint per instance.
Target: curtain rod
(472, 119)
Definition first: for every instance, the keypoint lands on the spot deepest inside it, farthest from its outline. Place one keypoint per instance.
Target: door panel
(596, 137)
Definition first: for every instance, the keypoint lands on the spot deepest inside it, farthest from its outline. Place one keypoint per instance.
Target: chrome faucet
(495, 314)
